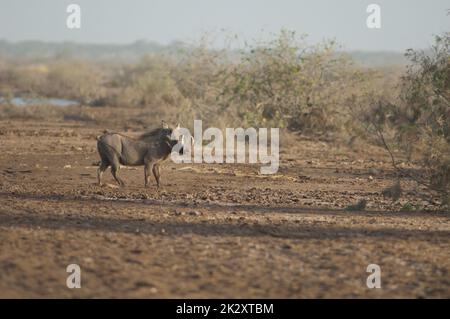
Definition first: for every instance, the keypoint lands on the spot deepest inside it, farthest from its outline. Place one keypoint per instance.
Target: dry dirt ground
(212, 230)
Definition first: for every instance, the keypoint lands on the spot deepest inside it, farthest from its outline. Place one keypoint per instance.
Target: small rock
(195, 213)
(153, 290)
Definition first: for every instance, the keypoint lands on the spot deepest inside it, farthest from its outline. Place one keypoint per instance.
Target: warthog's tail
(99, 136)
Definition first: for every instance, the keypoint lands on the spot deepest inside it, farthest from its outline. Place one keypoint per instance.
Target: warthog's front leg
(147, 169)
(157, 174)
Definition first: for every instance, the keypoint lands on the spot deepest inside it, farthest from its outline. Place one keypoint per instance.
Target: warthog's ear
(164, 124)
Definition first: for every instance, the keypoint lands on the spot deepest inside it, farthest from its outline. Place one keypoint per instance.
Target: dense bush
(74, 79)
(148, 83)
(286, 83)
(417, 121)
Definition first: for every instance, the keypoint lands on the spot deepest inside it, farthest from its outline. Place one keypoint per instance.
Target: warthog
(149, 149)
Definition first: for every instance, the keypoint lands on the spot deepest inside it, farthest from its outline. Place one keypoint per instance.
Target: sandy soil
(212, 230)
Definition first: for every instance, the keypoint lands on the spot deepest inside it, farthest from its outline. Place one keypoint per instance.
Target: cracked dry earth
(212, 230)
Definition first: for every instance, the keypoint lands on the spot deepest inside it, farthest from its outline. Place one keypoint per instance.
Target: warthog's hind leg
(115, 174)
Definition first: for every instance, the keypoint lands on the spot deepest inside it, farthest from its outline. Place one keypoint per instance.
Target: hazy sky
(405, 23)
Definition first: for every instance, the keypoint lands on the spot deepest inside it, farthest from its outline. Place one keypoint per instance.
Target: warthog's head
(173, 137)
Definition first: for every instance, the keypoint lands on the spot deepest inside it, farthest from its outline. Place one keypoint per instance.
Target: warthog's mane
(157, 132)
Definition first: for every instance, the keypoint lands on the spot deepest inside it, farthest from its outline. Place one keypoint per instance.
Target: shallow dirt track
(212, 230)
